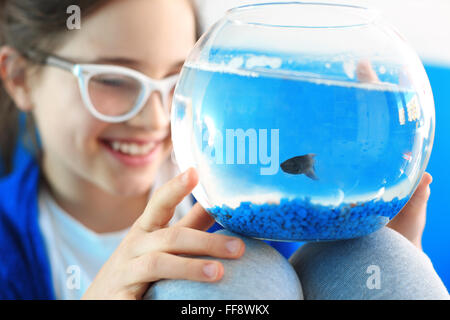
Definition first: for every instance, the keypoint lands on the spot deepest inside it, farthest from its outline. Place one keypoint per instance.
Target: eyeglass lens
(114, 94)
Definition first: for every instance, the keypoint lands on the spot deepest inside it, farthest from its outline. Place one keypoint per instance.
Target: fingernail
(233, 246)
(210, 270)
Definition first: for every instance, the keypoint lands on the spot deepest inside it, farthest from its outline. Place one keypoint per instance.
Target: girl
(81, 157)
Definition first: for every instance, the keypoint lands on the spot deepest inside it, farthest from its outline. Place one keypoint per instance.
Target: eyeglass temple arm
(60, 63)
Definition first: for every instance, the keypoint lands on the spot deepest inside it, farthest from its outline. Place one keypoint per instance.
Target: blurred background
(426, 25)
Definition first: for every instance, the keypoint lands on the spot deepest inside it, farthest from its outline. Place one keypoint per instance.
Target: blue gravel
(301, 220)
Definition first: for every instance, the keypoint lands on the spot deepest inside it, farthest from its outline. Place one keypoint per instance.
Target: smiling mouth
(132, 148)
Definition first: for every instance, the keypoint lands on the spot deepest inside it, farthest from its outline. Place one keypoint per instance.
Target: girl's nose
(153, 115)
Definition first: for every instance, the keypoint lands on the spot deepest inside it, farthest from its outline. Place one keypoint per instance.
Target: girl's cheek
(79, 127)
(88, 136)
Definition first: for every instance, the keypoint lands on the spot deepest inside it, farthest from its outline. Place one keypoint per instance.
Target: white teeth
(149, 146)
(124, 147)
(115, 145)
(132, 148)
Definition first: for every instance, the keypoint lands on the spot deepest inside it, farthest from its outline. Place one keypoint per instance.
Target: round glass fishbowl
(305, 121)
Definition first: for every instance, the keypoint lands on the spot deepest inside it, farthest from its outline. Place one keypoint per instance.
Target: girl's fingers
(197, 218)
(180, 240)
(159, 265)
(410, 221)
(420, 197)
(417, 203)
(161, 206)
(365, 72)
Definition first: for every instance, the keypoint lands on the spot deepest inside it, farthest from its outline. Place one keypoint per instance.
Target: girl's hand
(151, 250)
(410, 221)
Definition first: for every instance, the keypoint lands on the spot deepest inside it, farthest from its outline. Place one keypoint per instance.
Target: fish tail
(311, 174)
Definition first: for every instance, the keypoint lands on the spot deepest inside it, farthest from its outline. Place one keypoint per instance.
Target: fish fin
(311, 174)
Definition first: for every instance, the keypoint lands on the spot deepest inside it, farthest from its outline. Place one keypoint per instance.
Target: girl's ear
(13, 74)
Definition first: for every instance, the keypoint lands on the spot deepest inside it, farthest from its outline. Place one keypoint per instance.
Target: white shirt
(77, 253)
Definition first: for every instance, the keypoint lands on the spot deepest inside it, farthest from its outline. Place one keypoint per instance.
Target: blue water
(436, 238)
(370, 140)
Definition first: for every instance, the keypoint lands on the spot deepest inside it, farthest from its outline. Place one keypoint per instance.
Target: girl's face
(151, 36)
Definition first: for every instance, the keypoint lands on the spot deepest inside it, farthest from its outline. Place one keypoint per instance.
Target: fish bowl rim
(372, 15)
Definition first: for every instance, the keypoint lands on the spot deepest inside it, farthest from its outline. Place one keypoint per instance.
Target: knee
(261, 273)
(382, 265)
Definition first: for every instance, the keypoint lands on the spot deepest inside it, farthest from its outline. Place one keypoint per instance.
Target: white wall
(425, 23)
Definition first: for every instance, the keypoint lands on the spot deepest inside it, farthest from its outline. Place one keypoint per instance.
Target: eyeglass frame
(84, 72)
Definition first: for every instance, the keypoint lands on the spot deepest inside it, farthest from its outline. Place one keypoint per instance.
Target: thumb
(161, 206)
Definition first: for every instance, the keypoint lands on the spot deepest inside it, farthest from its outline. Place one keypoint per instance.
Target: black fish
(301, 165)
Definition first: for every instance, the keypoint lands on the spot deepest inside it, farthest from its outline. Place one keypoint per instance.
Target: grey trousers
(382, 265)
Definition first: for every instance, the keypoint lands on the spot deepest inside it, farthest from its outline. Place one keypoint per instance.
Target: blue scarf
(24, 264)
